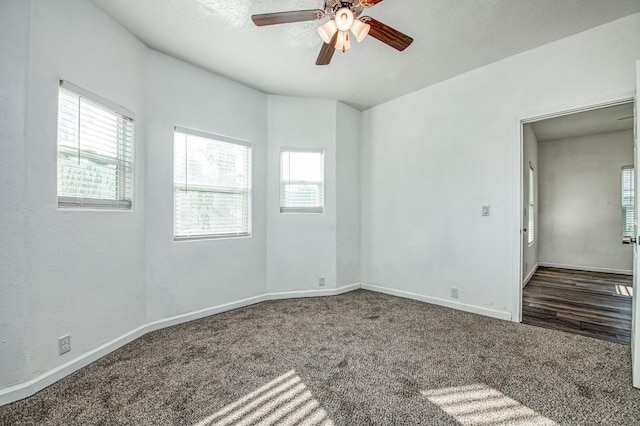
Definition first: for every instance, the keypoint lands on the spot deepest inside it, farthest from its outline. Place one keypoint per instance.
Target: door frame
(528, 118)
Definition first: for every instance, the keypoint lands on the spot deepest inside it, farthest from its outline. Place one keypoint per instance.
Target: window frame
(531, 223)
(124, 187)
(630, 205)
(248, 191)
(302, 210)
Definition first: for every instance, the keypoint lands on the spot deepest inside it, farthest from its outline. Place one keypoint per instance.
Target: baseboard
(440, 302)
(528, 277)
(312, 293)
(26, 389)
(587, 268)
(202, 313)
(23, 390)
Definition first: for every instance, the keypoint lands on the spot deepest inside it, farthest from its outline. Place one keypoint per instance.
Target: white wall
(86, 268)
(431, 159)
(301, 247)
(107, 277)
(530, 158)
(185, 276)
(580, 212)
(15, 25)
(348, 195)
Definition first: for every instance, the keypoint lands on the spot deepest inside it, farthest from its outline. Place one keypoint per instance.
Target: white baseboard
(528, 277)
(23, 390)
(202, 313)
(587, 268)
(312, 293)
(440, 302)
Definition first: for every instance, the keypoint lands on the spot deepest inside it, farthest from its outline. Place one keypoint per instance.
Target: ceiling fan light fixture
(343, 42)
(327, 31)
(360, 30)
(344, 19)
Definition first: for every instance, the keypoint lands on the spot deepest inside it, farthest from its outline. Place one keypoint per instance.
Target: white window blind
(301, 180)
(95, 151)
(628, 201)
(212, 182)
(532, 206)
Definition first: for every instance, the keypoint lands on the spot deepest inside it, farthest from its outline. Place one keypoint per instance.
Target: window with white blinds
(212, 185)
(532, 205)
(628, 201)
(95, 151)
(301, 180)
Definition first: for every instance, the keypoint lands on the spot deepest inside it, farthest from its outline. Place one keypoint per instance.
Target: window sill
(211, 237)
(294, 210)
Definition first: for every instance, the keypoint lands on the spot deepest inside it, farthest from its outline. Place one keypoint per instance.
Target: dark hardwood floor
(593, 304)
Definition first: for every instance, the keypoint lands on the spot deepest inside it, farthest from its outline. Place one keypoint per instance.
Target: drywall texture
(431, 159)
(301, 247)
(530, 156)
(183, 276)
(348, 195)
(580, 201)
(15, 23)
(86, 268)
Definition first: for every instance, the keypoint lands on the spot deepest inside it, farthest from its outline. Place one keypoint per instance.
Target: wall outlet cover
(486, 210)
(321, 282)
(64, 344)
(454, 292)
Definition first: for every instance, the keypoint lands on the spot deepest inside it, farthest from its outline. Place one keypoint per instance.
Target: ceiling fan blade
(369, 3)
(287, 17)
(386, 34)
(326, 53)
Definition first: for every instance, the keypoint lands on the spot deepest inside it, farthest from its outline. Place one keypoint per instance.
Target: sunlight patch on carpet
(624, 290)
(283, 401)
(482, 405)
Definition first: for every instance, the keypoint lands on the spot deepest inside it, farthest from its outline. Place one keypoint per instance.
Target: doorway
(578, 207)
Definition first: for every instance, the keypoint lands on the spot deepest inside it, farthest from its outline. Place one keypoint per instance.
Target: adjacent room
(311, 212)
(579, 222)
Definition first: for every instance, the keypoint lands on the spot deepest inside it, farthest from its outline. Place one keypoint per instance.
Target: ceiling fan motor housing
(332, 6)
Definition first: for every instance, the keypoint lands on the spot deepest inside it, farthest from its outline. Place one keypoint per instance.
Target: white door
(635, 330)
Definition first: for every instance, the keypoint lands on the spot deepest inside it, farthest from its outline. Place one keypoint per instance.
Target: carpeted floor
(361, 358)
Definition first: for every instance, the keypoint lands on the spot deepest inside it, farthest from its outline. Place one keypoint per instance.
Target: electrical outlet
(64, 344)
(454, 292)
(486, 210)
(321, 282)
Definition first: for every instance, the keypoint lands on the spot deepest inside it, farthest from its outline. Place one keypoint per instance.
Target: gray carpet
(361, 358)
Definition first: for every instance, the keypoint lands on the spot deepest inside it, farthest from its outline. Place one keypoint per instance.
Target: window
(301, 180)
(212, 185)
(95, 151)
(628, 201)
(532, 205)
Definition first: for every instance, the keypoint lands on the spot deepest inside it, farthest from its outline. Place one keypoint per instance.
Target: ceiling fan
(345, 17)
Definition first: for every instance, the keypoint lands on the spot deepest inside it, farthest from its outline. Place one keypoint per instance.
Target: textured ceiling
(603, 120)
(451, 37)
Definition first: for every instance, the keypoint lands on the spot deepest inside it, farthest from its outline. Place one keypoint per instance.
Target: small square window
(301, 180)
